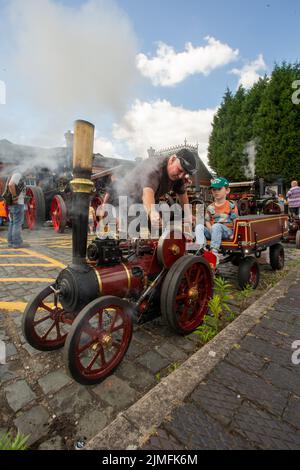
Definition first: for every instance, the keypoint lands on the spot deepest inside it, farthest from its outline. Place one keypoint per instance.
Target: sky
(146, 73)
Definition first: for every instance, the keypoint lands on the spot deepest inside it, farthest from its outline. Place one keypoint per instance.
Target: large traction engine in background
(91, 307)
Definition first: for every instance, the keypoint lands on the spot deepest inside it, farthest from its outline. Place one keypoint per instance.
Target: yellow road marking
(17, 306)
(26, 279)
(34, 265)
(46, 258)
(15, 256)
(13, 306)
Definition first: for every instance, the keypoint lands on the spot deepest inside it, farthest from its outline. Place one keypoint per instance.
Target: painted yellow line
(26, 279)
(17, 306)
(13, 306)
(15, 256)
(44, 257)
(34, 265)
(35, 254)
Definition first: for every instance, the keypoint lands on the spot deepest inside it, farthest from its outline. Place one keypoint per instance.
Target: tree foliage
(266, 116)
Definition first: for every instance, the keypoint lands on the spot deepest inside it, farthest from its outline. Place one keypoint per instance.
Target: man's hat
(187, 160)
(219, 182)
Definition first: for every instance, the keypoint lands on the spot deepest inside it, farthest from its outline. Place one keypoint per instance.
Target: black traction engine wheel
(186, 290)
(277, 256)
(99, 339)
(35, 212)
(42, 322)
(248, 273)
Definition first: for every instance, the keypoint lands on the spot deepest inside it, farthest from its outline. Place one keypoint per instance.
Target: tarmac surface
(38, 398)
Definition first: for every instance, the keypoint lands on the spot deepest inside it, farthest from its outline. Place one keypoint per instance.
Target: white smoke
(250, 152)
(68, 62)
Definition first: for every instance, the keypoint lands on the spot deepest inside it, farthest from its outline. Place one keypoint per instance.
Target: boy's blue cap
(219, 182)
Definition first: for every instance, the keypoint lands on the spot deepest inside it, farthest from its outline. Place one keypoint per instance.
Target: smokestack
(82, 187)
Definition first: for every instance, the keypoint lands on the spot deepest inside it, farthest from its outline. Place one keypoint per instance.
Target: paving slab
(54, 381)
(71, 399)
(33, 423)
(93, 422)
(19, 394)
(115, 392)
(55, 443)
(153, 361)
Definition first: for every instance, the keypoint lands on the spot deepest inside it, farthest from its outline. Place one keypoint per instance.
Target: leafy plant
(205, 331)
(222, 288)
(7, 442)
(158, 377)
(216, 309)
(243, 295)
(173, 367)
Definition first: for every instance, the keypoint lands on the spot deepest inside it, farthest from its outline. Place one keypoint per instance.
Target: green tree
(225, 150)
(265, 117)
(277, 126)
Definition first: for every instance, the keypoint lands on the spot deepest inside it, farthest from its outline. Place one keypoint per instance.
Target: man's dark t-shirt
(151, 173)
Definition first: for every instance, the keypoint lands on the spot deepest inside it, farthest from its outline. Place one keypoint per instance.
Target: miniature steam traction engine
(90, 308)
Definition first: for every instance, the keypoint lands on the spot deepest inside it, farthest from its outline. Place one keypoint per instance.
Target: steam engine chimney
(82, 187)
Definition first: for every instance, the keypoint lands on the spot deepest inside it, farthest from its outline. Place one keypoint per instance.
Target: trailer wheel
(42, 322)
(277, 256)
(99, 339)
(185, 293)
(35, 213)
(58, 213)
(248, 273)
(298, 239)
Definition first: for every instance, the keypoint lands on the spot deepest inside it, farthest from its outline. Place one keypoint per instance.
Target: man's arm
(148, 202)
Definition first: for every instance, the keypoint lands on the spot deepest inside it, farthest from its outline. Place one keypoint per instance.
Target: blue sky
(142, 94)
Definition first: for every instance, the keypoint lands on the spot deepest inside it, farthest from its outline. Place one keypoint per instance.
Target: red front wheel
(99, 339)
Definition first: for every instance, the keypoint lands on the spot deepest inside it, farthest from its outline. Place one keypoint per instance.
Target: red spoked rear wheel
(58, 212)
(99, 339)
(186, 291)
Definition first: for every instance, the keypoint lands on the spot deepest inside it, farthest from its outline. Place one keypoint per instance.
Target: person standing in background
(16, 187)
(293, 197)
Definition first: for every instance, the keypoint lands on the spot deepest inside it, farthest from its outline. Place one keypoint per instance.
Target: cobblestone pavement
(251, 400)
(38, 398)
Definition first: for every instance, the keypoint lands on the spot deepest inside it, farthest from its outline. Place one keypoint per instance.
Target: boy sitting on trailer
(219, 218)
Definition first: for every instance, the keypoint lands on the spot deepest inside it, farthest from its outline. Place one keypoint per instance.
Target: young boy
(219, 217)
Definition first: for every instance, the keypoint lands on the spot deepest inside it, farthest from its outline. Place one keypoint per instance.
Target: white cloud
(159, 124)
(169, 67)
(249, 73)
(106, 147)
